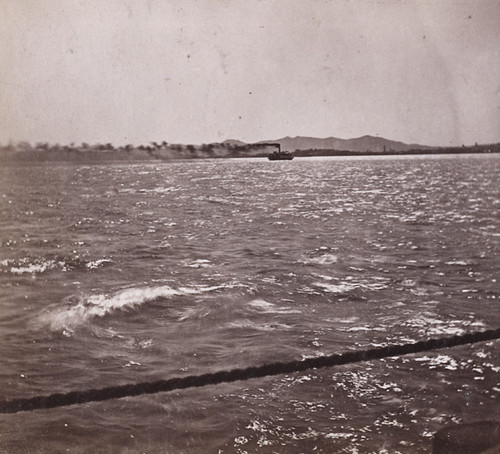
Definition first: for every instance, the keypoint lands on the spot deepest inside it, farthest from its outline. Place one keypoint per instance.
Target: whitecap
(97, 263)
(270, 308)
(193, 312)
(325, 259)
(457, 262)
(337, 288)
(366, 328)
(163, 190)
(440, 360)
(76, 311)
(428, 323)
(33, 267)
(199, 263)
(339, 435)
(132, 363)
(352, 319)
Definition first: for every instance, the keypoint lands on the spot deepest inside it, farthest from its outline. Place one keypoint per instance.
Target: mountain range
(359, 144)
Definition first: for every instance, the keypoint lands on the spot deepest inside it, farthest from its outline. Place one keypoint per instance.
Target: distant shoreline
(483, 149)
(99, 154)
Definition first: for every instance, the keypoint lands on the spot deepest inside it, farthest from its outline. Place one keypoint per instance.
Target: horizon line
(12, 142)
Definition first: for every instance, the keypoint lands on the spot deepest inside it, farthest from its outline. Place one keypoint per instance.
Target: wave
(158, 190)
(337, 288)
(325, 259)
(41, 265)
(349, 284)
(270, 308)
(199, 263)
(97, 263)
(77, 310)
(246, 324)
(36, 267)
(459, 262)
(428, 323)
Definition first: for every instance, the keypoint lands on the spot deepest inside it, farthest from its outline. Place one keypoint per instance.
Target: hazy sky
(134, 71)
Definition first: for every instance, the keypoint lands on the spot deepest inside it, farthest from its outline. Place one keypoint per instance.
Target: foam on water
(270, 308)
(28, 265)
(433, 362)
(33, 268)
(458, 262)
(325, 259)
(350, 285)
(199, 263)
(97, 263)
(428, 323)
(76, 311)
(246, 324)
(336, 288)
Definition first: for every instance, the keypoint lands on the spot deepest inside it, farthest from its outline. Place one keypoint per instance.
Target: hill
(359, 144)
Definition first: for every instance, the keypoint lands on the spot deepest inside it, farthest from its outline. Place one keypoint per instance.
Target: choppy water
(115, 274)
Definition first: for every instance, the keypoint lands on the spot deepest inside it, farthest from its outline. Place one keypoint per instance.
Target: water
(122, 273)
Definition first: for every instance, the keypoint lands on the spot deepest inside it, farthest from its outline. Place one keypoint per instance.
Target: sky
(201, 71)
